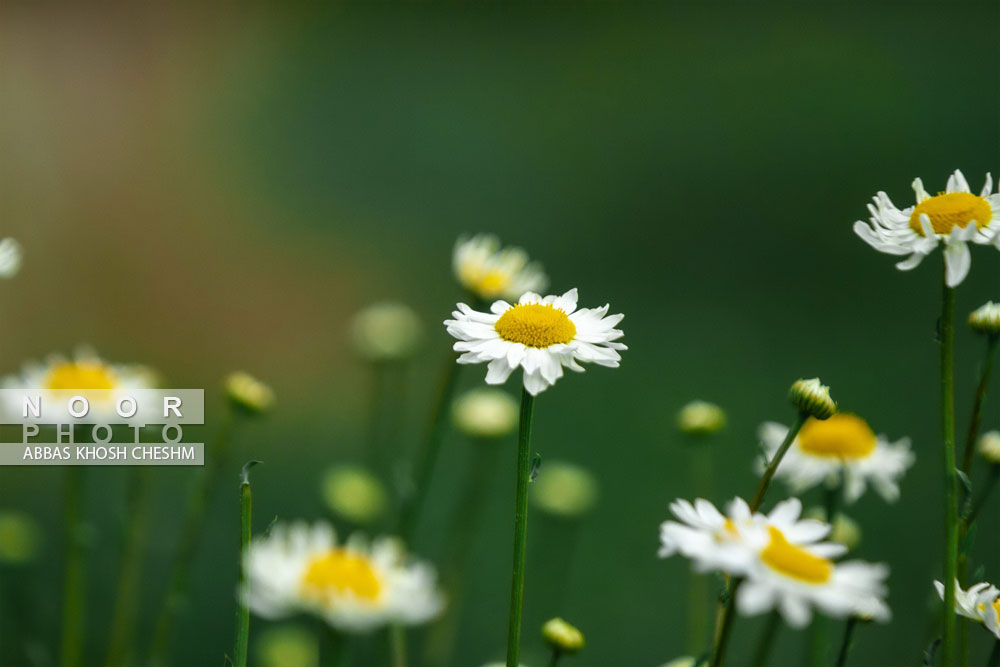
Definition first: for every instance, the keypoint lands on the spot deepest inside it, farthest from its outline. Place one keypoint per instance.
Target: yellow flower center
(785, 558)
(951, 209)
(843, 436)
(339, 571)
(995, 604)
(80, 375)
(535, 325)
(728, 532)
(491, 283)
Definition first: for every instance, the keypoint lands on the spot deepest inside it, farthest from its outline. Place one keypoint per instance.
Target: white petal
(957, 259)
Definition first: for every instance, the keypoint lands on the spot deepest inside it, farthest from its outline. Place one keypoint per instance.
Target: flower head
(355, 586)
(784, 562)
(562, 636)
(352, 492)
(10, 258)
(485, 413)
(701, 418)
(844, 445)
(564, 489)
(953, 217)
(539, 335)
(980, 603)
(986, 319)
(489, 272)
(386, 332)
(248, 393)
(812, 398)
(989, 446)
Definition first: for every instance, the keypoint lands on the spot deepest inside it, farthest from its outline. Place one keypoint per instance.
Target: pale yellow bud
(353, 493)
(485, 413)
(701, 418)
(249, 393)
(562, 636)
(385, 332)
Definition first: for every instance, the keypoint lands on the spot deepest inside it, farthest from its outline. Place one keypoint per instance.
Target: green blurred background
(205, 189)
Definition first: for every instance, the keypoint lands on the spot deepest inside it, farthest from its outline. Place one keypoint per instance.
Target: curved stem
(977, 403)
(724, 617)
(950, 495)
(520, 528)
(845, 645)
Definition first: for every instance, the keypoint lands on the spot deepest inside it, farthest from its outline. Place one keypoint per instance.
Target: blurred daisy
(354, 587)
(953, 217)
(541, 335)
(980, 603)
(716, 541)
(10, 258)
(489, 271)
(85, 370)
(785, 564)
(843, 444)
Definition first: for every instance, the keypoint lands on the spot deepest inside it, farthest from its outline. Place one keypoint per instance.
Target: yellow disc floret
(340, 571)
(80, 375)
(950, 210)
(842, 436)
(536, 325)
(792, 561)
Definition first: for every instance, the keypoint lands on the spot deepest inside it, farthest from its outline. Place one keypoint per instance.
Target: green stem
(71, 651)
(845, 645)
(190, 533)
(818, 630)
(994, 659)
(243, 587)
(134, 534)
(980, 501)
(520, 528)
(397, 645)
(699, 611)
(430, 447)
(333, 652)
(767, 639)
(554, 660)
(724, 617)
(950, 495)
(977, 404)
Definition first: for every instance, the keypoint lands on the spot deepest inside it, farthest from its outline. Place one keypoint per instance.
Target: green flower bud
(287, 645)
(248, 393)
(353, 493)
(562, 636)
(812, 398)
(989, 446)
(986, 319)
(385, 332)
(701, 418)
(564, 489)
(485, 413)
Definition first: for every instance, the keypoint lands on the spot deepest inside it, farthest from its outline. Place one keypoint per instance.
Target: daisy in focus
(58, 375)
(953, 217)
(539, 334)
(980, 603)
(784, 563)
(842, 446)
(354, 587)
(489, 271)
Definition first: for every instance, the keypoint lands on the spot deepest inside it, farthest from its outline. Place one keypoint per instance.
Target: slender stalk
(980, 501)
(466, 519)
(818, 630)
(190, 533)
(430, 447)
(845, 645)
(950, 495)
(724, 617)
(71, 651)
(520, 528)
(554, 660)
(699, 611)
(994, 659)
(397, 645)
(134, 533)
(977, 404)
(333, 651)
(243, 587)
(760, 656)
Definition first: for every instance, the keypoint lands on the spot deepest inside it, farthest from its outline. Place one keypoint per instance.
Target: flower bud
(989, 446)
(19, 538)
(844, 530)
(564, 489)
(353, 493)
(287, 645)
(701, 418)
(248, 393)
(812, 398)
(562, 636)
(385, 332)
(682, 661)
(485, 413)
(10, 257)
(986, 319)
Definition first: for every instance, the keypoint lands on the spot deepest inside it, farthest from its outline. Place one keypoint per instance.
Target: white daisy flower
(781, 557)
(55, 376)
(541, 335)
(843, 445)
(980, 603)
(355, 587)
(10, 257)
(489, 271)
(953, 217)
(716, 541)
